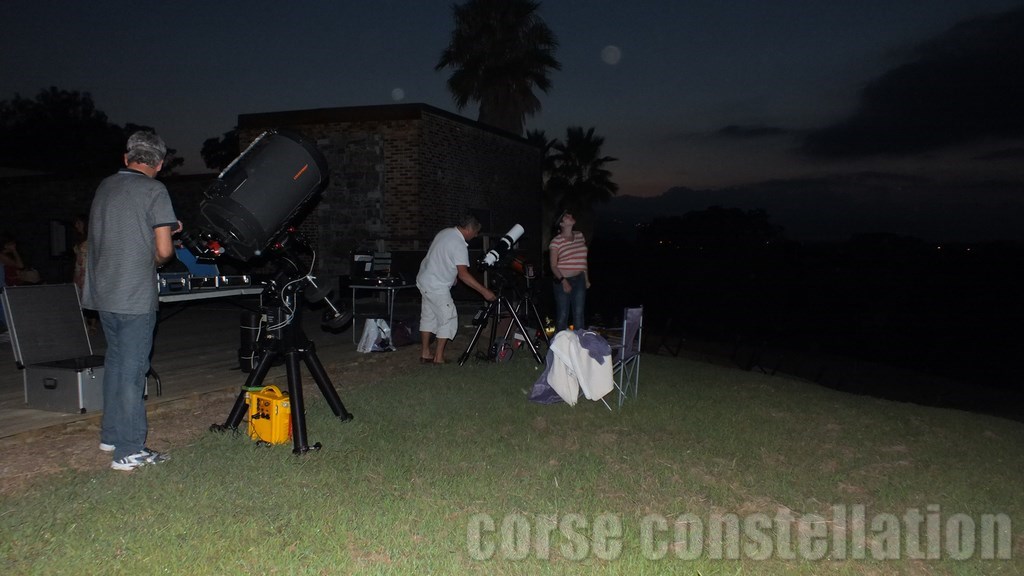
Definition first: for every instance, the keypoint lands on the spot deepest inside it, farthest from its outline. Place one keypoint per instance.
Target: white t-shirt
(439, 269)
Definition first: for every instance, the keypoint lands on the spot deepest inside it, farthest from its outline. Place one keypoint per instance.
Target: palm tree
(500, 50)
(579, 176)
(540, 139)
(549, 201)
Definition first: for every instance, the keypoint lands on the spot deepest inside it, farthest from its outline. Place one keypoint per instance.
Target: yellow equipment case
(270, 415)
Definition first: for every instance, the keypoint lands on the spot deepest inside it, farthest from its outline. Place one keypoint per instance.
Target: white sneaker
(140, 458)
(154, 457)
(107, 447)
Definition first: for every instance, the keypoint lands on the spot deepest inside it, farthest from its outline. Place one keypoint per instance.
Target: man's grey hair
(147, 148)
(470, 222)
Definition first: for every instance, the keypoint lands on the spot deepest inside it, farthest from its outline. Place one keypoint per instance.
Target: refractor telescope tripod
(494, 311)
(286, 339)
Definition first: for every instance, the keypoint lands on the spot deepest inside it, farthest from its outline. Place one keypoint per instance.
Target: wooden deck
(195, 352)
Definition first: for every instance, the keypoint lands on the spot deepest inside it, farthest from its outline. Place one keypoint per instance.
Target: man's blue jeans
(129, 343)
(574, 300)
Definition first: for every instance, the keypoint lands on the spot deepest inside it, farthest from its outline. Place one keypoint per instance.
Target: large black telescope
(255, 198)
(250, 211)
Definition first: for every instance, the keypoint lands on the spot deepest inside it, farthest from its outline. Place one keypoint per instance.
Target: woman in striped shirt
(568, 253)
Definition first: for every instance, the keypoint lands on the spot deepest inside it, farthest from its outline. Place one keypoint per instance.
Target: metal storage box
(200, 277)
(51, 344)
(173, 283)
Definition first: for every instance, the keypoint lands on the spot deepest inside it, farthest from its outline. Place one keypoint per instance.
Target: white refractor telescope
(504, 245)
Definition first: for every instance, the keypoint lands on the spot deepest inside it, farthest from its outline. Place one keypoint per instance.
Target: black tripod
(286, 338)
(526, 302)
(494, 310)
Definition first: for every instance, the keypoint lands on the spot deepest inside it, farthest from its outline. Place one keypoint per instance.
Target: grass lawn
(450, 470)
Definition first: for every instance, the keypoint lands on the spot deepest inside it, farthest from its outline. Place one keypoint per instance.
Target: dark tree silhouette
(575, 176)
(217, 152)
(579, 174)
(62, 132)
(539, 139)
(500, 50)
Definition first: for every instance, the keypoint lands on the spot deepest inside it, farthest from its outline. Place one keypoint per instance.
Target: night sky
(701, 94)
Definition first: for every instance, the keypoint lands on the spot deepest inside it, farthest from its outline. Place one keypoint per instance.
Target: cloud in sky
(964, 86)
(659, 79)
(744, 132)
(1003, 154)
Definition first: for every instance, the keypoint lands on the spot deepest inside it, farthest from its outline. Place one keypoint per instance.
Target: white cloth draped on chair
(577, 360)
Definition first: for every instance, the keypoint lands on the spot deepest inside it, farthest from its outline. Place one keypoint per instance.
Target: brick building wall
(401, 173)
(398, 175)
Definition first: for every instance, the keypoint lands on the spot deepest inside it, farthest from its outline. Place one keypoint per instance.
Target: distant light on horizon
(611, 55)
(398, 94)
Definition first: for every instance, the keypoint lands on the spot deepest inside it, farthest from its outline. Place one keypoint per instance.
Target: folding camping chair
(626, 353)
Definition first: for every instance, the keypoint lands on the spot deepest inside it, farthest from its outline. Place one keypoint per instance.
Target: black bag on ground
(405, 331)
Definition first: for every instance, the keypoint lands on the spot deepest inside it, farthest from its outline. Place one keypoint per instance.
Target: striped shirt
(570, 255)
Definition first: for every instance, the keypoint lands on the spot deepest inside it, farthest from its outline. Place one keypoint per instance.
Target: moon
(611, 55)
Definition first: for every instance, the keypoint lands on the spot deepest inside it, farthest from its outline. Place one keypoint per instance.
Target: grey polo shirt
(121, 269)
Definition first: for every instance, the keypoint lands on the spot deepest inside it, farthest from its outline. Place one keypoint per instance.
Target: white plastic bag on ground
(376, 336)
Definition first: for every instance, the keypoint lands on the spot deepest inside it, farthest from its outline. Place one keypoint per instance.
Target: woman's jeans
(574, 300)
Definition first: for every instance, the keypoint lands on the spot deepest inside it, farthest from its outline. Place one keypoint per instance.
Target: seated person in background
(10, 259)
(81, 249)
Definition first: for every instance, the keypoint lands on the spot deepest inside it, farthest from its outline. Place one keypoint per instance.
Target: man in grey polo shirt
(130, 226)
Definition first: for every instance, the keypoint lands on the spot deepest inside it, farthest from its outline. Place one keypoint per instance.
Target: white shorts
(438, 314)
